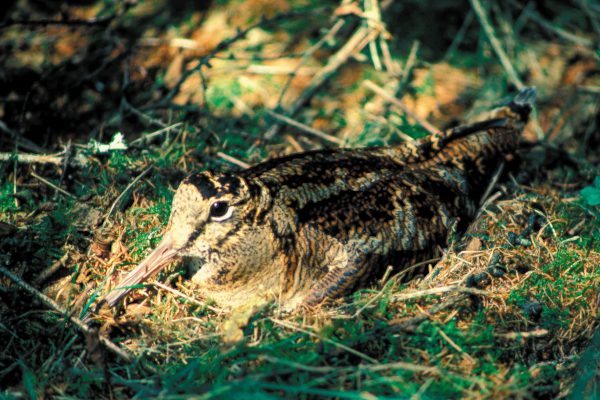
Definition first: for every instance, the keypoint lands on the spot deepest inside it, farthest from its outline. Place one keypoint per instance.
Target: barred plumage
(315, 225)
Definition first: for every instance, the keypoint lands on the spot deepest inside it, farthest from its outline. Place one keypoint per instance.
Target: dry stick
(46, 273)
(415, 321)
(52, 185)
(522, 335)
(124, 193)
(141, 115)
(20, 140)
(31, 158)
(372, 23)
(56, 159)
(150, 136)
(188, 298)
(311, 50)
(559, 31)
(376, 23)
(489, 32)
(454, 345)
(408, 66)
(589, 89)
(440, 290)
(354, 44)
(233, 160)
(488, 190)
(83, 327)
(380, 91)
(460, 35)
(306, 128)
(592, 15)
(241, 33)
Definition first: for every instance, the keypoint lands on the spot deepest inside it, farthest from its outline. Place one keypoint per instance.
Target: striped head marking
(212, 221)
(207, 210)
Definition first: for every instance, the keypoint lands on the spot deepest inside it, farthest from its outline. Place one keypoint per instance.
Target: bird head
(213, 221)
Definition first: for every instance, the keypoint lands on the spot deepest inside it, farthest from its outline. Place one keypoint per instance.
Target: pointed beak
(151, 265)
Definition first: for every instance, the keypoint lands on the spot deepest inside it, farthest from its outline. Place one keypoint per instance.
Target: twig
(489, 32)
(440, 290)
(400, 325)
(460, 35)
(56, 159)
(68, 154)
(140, 114)
(408, 66)
(124, 193)
(146, 138)
(205, 60)
(400, 365)
(356, 43)
(46, 273)
(454, 345)
(559, 31)
(52, 185)
(260, 69)
(372, 23)
(523, 335)
(380, 91)
(188, 298)
(20, 140)
(83, 327)
(311, 50)
(233, 160)
(589, 89)
(490, 187)
(306, 128)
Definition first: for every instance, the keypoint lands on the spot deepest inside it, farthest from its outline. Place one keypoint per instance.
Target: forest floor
(106, 106)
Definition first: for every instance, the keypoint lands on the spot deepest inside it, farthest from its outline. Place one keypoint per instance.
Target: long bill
(151, 265)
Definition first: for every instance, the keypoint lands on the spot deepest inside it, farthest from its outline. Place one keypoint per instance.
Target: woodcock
(313, 226)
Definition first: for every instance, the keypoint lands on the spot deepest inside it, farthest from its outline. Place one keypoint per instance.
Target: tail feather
(497, 132)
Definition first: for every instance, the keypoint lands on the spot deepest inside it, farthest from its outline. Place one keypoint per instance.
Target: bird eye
(220, 211)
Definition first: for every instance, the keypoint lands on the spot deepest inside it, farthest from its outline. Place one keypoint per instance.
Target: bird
(314, 226)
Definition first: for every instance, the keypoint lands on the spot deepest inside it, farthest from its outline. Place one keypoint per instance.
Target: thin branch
(440, 290)
(495, 43)
(453, 344)
(148, 137)
(380, 91)
(233, 160)
(490, 187)
(460, 35)
(523, 335)
(224, 44)
(408, 66)
(311, 50)
(124, 193)
(357, 41)
(20, 140)
(559, 31)
(82, 326)
(52, 185)
(188, 298)
(306, 128)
